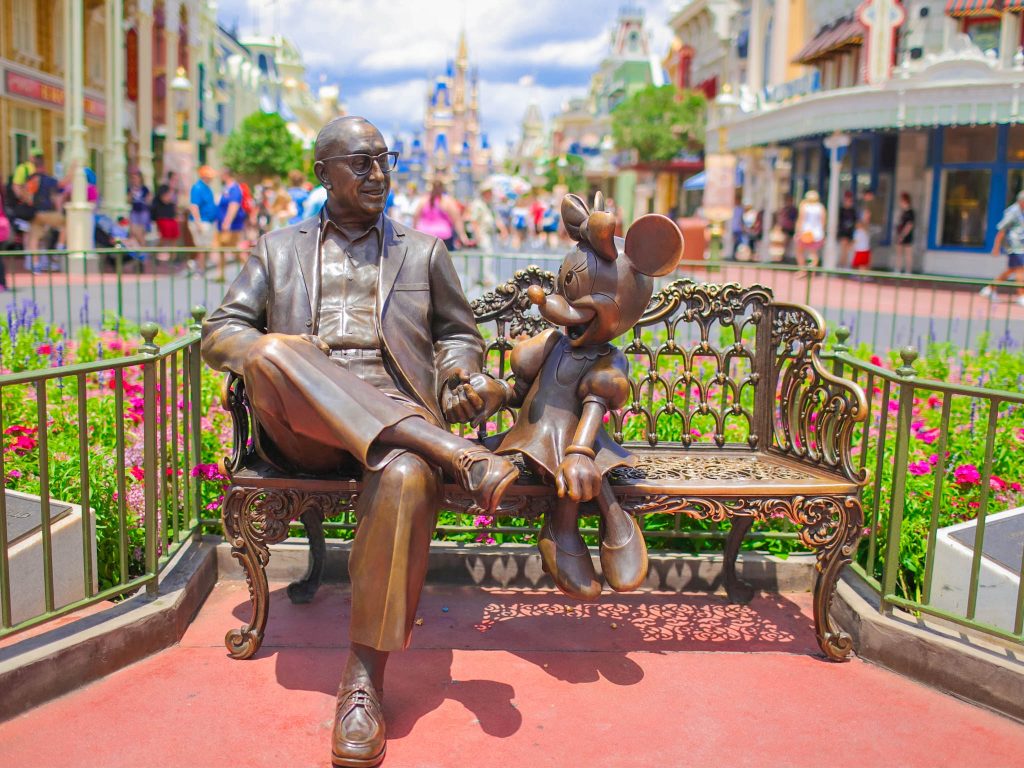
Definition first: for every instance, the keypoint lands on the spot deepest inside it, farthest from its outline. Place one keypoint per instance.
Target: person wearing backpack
(42, 192)
(231, 218)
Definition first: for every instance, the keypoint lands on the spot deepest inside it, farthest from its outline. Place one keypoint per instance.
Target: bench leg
(833, 526)
(303, 590)
(738, 590)
(253, 520)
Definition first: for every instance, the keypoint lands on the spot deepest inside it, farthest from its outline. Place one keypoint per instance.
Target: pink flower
(996, 483)
(934, 401)
(14, 474)
(916, 425)
(966, 474)
(20, 429)
(933, 459)
(973, 504)
(920, 468)
(138, 473)
(894, 406)
(1016, 487)
(44, 349)
(928, 436)
(876, 360)
(1020, 435)
(24, 445)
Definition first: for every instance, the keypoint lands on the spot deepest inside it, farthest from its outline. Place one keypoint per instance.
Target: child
(861, 245)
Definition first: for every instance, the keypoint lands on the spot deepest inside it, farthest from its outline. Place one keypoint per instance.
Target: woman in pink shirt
(438, 214)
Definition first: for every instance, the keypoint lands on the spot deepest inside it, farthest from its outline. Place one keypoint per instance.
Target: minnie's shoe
(625, 565)
(574, 574)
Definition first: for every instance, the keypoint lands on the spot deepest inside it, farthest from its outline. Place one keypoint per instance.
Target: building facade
(584, 125)
(883, 97)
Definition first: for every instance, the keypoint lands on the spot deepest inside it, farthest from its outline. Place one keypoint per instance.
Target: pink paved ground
(514, 679)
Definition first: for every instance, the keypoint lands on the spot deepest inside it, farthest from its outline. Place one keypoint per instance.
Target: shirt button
(309, 323)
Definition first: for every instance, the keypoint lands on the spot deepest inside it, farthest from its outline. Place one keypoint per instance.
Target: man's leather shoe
(573, 573)
(484, 476)
(625, 565)
(358, 740)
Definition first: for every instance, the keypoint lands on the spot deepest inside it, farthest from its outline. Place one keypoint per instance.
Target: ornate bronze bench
(709, 363)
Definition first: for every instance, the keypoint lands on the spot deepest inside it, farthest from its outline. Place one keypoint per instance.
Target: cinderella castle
(451, 147)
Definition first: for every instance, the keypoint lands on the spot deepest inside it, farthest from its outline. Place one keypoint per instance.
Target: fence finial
(908, 355)
(842, 335)
(198, 313)
(149, 332)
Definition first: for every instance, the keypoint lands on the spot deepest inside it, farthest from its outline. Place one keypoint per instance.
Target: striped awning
(841, 34)
(1017, 6)
(973, 7)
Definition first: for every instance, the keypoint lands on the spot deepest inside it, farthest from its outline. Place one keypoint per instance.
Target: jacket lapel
(307, 254)
(391, 259)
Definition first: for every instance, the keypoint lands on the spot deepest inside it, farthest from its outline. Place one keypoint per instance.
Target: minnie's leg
(623, 550)
(564, 553)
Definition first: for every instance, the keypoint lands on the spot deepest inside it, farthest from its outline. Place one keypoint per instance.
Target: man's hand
(578, 478)
(492, 392)
(460, 401)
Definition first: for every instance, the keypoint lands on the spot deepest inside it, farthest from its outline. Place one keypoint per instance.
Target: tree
(659, 122)
(567, 170)
(262, 146)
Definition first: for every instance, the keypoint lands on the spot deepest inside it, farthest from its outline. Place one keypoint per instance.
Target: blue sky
(381, 54)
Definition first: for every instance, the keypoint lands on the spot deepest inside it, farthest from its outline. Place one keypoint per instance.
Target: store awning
(841, 34)
(695, 182)
(973, 7)
(1016, 6)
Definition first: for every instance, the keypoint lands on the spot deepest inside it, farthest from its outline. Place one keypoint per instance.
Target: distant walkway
(518, 679)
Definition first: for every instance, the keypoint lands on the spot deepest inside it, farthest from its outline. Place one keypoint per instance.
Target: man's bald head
(342, 135)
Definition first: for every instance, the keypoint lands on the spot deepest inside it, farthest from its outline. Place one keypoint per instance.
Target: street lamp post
(79, 222)
(836, 145)
(719, 212)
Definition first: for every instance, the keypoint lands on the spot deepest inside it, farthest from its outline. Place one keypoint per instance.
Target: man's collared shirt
(349, 265)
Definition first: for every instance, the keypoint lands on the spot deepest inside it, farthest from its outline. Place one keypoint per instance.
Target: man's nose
(376, 173)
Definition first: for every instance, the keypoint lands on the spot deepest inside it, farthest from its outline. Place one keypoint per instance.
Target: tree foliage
(262, 146)
(659, 122)
(566, 170)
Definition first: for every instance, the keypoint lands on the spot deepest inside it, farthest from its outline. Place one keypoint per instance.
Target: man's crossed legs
(320, 418)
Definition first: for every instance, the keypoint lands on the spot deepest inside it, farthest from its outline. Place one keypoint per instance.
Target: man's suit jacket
(425, 324)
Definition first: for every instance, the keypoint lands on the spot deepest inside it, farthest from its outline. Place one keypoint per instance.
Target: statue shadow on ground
(572, 642)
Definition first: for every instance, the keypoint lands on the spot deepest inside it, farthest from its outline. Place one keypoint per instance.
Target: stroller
(108, 233)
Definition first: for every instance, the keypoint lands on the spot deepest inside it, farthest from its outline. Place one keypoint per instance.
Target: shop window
(1014, 185)
(970, 144)
(1015, 144)
(58, 35)
(95, 45)
(963, 207)
(983, 31)
(24, 133)
(23, 29)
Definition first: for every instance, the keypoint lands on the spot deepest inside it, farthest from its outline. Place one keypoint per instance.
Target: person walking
(1011, 233)
(42, 193)
(810, 231)
(231, 219)
(438, 214)
(139, 197)
(298, 190)
(202, 217)
(905, 235)
(164, 212)
(848, 220)
(785, 219)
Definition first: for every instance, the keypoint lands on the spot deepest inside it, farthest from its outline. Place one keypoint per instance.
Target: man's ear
(654, 245)
(320, 171)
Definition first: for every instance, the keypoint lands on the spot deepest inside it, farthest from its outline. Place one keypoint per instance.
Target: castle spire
(462, 58)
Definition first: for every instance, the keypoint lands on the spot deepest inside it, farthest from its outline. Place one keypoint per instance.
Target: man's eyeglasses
(361, 164)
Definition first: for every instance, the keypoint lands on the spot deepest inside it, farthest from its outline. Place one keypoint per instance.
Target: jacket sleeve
(457, 341)
(241, 319)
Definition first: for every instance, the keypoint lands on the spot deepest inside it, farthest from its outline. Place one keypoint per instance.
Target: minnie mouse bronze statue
(566, 381)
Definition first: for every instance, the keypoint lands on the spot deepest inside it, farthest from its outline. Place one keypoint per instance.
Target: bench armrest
(235, 402)
(816, 414)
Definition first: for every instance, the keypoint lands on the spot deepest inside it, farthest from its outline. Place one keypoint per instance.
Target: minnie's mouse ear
(574, 213)
(654, 245)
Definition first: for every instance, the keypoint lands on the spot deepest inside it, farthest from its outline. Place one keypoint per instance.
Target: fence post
(195, 364)
(839, 348)
(890, 569)
(149, 464)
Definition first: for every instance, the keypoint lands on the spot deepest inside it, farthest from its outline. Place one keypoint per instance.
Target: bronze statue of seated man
(356, 344)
